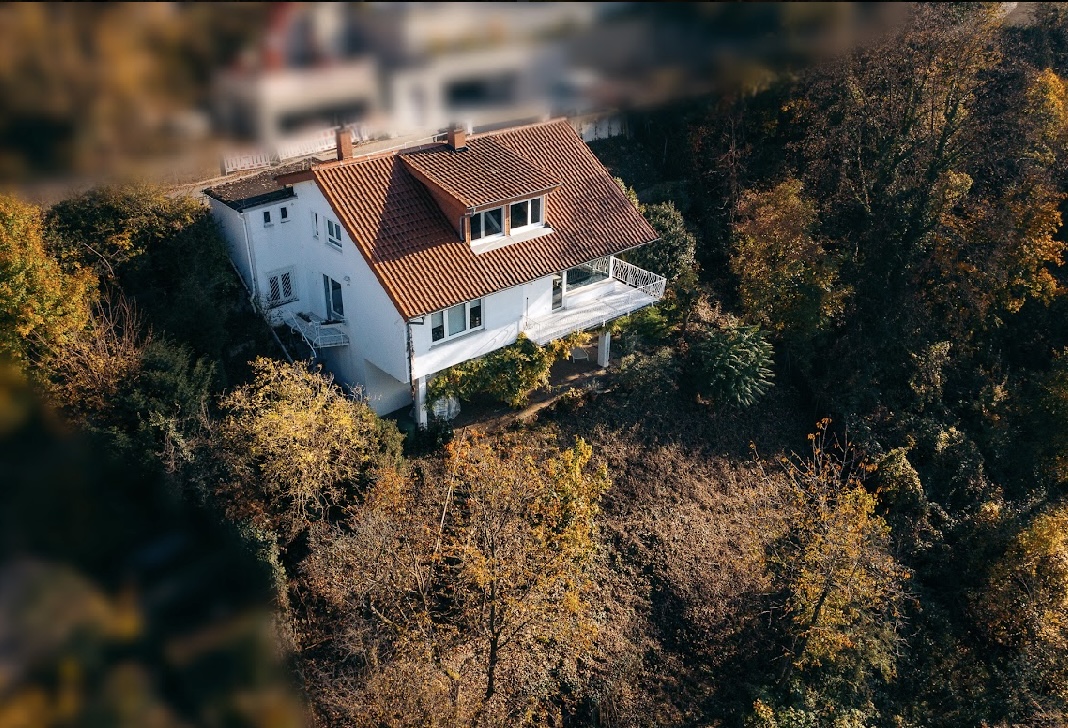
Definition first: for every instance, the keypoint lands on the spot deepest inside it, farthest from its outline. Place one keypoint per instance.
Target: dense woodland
(822, 486)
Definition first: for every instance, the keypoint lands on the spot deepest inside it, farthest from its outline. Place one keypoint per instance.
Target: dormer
(490, 195)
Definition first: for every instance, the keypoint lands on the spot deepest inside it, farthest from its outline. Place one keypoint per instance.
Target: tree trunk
(494, 646)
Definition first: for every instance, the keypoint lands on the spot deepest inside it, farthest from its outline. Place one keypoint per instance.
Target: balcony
(316, 332)
(620, 289)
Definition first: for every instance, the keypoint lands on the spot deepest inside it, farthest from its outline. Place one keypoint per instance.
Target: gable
(483, 173)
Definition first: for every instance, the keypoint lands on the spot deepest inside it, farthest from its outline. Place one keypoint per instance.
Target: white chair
(579, 353)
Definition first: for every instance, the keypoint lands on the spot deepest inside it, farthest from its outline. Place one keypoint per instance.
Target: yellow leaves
(525, 530)
(844, 585)
(39, 304)
(787, 281)
(1026, 602)
(1047, 109)
(295, 437)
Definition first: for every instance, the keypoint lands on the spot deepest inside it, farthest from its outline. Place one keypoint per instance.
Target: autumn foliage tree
(1024, 608)
(40, 304)
(295, 447)
(788, 281)
(458, 597)
(522, 534)
(844, 590)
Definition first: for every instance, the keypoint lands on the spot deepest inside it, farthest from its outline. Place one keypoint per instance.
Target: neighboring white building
(398, 265)
(399, 68)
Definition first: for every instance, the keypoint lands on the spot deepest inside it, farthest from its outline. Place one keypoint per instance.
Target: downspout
(411, 368)
(251, 259)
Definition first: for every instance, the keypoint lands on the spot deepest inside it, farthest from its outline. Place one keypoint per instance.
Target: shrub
(508, 374)
(732, 365)
(674, 253)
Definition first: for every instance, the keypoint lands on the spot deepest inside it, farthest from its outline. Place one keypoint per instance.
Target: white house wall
(375, 329)
(232, 225)
(276, 246)
(503, 314)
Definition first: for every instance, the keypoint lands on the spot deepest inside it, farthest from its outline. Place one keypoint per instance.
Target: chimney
(457, 138)
(344, 143)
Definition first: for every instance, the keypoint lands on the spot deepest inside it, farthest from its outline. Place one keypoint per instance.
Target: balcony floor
(585, 309)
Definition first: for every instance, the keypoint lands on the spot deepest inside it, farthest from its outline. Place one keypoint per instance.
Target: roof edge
(506, 130)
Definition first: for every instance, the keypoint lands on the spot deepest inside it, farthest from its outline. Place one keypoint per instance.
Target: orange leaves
(787, 280)
(844, 585)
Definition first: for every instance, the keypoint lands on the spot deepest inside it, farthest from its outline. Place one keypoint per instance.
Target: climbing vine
(508, 374)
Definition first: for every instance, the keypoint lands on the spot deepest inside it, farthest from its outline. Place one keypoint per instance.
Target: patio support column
(604, 339)
(420, 402)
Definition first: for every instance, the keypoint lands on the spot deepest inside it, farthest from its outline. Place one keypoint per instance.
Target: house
(397, 265)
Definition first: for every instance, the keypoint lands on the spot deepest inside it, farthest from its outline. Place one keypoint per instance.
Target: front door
(558, 291)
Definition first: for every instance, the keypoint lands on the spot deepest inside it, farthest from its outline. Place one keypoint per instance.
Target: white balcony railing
(635, 277)
(317, 333)
(627, 289)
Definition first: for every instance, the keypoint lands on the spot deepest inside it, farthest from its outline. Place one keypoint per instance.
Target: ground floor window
(456, 320)
(280, 288)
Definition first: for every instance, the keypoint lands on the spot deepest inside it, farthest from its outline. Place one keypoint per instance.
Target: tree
(674, 253)
(166, 255)
(1024, 608)
(521, 534)
(458, 598)
(147, 393)
(787, 281)
(40, 305)
(295, 448)
(892, 154)
(107, 228)
(844, 589)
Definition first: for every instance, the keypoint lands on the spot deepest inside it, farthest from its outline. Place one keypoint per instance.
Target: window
(487, 224)
(266, 218)
(333, 233)
(284, 213)
(459, 319)
(586, 274)
(280, 288)
(335, 304)
(527, 213)
(315, 224)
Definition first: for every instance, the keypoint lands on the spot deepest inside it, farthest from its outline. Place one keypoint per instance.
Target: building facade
(398, 265)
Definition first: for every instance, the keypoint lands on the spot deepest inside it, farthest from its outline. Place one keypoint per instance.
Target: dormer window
(488, 224)
(527, 214)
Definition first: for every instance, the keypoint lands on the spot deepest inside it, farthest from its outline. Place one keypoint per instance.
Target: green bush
(674, 253)
(732, 365)
(648, 325)
(508, 374)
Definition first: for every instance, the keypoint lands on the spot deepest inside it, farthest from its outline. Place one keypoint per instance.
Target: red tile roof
(419, 259)
(483, 173)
